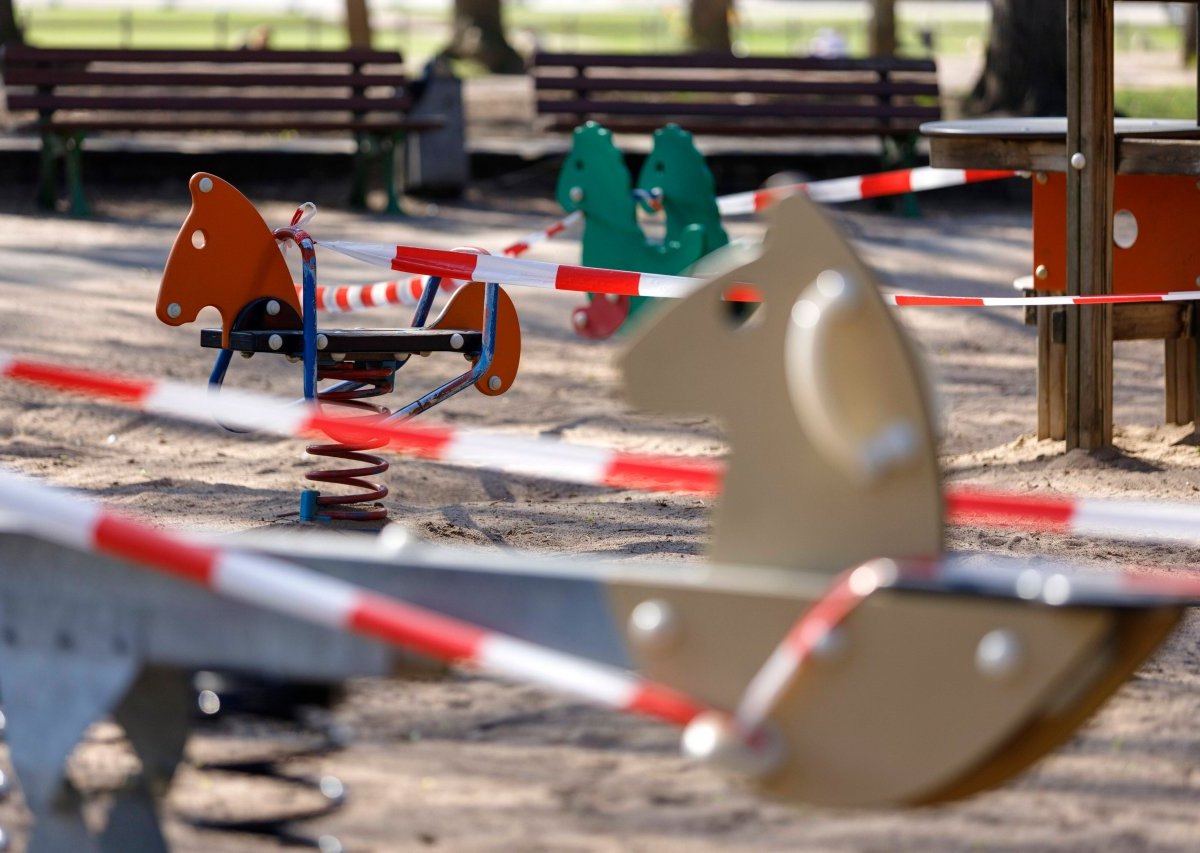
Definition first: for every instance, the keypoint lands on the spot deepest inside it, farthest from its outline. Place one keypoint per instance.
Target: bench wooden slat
(215, 78)
(166, 102)
(784, 110)
(756, 87)
(725, 60)
(17, 55)
(701, 127)
(242, 124)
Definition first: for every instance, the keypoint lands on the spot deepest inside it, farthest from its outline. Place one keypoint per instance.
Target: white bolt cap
(998, 654)
(653, 624)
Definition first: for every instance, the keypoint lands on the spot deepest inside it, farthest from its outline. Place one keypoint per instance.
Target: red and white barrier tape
(813, 631)
(513, 271)
(523, 245)
(514, 454)
(915, 300)
(545, 275)
(283, 587)
(593, 466)
(355, 297)
(1117, 519)
(346, 298)
(859, 187)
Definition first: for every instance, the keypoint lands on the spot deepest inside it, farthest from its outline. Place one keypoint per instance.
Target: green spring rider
(596, 181)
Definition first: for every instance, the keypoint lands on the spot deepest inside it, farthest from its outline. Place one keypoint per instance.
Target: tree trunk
(479, 35)
(358, 23)
(883, 28)
(1189, 34)
(708, 25)
(1025, 70)
(10, 31)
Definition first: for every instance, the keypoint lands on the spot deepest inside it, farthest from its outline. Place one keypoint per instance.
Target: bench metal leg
(69, 149)
(386, 149)
(902, 154)
(52, 148)
(364, 145)
(392, 148)
(73, 156)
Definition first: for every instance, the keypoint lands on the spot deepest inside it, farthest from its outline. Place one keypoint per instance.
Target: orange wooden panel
(465, 311)
(224, 256)
(1165, 254)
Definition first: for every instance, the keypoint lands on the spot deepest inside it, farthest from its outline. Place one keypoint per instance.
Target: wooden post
(1090, 156)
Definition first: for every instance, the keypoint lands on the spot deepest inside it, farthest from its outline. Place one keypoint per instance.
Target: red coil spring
(376, 382)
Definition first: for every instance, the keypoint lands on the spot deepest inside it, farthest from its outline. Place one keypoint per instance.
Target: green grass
(1173, 102)
(419, 35)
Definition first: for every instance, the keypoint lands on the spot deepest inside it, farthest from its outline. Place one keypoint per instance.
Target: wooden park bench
(71, 94)
(726, 95)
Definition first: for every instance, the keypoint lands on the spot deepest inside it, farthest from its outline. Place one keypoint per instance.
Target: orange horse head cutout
(225, 256)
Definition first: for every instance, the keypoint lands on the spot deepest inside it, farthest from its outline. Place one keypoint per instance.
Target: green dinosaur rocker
(596, 180)
(677, 172)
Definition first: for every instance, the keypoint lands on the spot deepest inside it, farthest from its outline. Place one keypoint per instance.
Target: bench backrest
(726, 94)
(109, 87)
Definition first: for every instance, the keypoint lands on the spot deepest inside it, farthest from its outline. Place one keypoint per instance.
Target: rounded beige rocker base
(833, 463)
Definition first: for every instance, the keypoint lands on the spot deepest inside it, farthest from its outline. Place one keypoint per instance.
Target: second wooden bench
(726, 95)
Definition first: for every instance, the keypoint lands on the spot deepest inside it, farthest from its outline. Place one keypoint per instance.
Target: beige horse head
(832, 456)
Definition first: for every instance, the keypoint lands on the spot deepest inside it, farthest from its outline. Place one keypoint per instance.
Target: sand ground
(466, 763)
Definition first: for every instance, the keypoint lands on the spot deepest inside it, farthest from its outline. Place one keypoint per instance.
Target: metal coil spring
(367, 380)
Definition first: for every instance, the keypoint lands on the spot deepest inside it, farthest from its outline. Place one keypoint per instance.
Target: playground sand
(467, 763)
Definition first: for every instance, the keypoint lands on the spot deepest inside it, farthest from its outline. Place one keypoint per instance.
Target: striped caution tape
(859, 187)
(347, 298)
(283, 587)
(593, 466)
(456, 446)
(813, 631)
(916, 300)
(551, 276)
(407, 292)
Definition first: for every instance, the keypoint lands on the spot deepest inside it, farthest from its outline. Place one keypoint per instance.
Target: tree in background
(1188, 25)
(358, 23)
(882, 41)
(10, 31)
(1025, 68)
(479, 35)
(708, 25)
